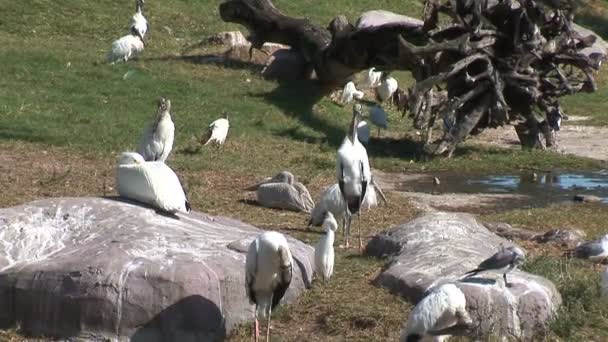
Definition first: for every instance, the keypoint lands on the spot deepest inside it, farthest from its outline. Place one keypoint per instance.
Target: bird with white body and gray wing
(125, 47)
(350, 92)
(596, 250)
(283, 192)
(505, 260)
(217, 132)
(268, 274)
(324, 249)
(139, 23)
(388, 86)
(152, 183)
(157, 141)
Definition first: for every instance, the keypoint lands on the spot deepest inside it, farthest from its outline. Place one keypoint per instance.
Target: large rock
(440, 248)
(107, 269)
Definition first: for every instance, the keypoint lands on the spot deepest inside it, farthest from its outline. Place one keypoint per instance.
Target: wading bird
(157, 141)
(283, 192)
(324, 250)
(372, 78)
(350, 92)
(268, 273)
(505, 260)
(387, 88)
(138, 21)
(126, 47)
(217, 132)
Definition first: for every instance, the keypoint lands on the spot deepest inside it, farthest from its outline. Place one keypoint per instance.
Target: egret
(443, 307)
(596, 250)
(505, 260)
(372, 78)
(268, 273)
(152, 183)
(126, 47)
(353, 173)
(139, 23)
(217, 131)
(387, 88)
(378, 117)
(350, 92)
(157, 141)
(283, 192)
(324, 250)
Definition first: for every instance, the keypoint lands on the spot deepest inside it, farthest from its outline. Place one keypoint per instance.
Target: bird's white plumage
(443, 307)
(363, 132)
(378, 116)
(138, 21)
(157, 140)
(324, 249)
(125, 48)
(350, 92)
(352, 167)
(153, 183)
(372, 78)
(387, 88)
(218, 131)
(332, 201)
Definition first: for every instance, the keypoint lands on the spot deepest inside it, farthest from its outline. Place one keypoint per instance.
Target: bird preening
(157, 140)
(216, 132)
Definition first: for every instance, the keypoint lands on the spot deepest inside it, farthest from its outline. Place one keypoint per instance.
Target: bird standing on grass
(505, 260)
(217, 132)
(157, 141)
(378, 117)
(388, 86)
(139, 23)
(350, 92)
(126, 47)
(268, 274)
(324, 250)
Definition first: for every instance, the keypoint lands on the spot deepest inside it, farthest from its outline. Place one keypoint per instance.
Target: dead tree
(491, 63)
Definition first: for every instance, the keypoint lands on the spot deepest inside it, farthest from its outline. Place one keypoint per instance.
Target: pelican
(350, 92)
(217, 131)
(157, 140)
(378, 117)
(283, 192)
(353, 173)
(153, 183)
(139, 23)
(324, 250)
(387, 87)
(372, 78)
(126, 47)
(596, 250)
(268, 273)
(505, 260)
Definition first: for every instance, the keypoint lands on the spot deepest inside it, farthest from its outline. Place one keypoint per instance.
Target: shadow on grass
(594, 22)
(212, 59)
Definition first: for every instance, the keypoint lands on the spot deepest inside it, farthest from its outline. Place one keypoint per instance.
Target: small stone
(587, 198)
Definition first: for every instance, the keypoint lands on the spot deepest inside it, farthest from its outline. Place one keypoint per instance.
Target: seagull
(324, 250)
(353, 173)
(372, 78)
(387, 87)
(596, 250)
(505, 260)
(283, 192)
(139, 23)
(126, 47)
(268, 273)
(153, 183)
(217, 131)
(157, 140)
(378, 117)
(351, 92)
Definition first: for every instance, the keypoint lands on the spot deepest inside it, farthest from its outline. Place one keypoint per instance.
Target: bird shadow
(392, 147)
(478, 280)
(212, 59)
(143, 205)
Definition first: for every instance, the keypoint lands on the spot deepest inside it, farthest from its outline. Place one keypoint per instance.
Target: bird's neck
(139, 8)
(353, 129)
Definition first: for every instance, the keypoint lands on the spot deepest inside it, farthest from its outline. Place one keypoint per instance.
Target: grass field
(65, 115)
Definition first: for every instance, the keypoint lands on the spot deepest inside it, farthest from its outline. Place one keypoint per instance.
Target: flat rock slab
(439, 248)
(107, 269)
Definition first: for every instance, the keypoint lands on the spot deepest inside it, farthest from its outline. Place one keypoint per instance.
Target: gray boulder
(439, 248)
(106, 269)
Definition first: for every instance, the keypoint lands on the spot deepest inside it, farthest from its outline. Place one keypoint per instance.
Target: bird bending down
(596, 250)
(350, 92)
(505, 260)
(139, 24)
(153, 183)
(372, 78)
(283, 192)
(268, 273)
(217, 132)
(378, 117)
(387, 87)
(324, 250)
(126, 47)
(157, 141)
(443, 307)
(353, 173)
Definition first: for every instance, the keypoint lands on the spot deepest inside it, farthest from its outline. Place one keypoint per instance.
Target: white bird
(139, 23)
(217, 131)
(372, 78)
(596, 250)
(157, 140)
(350, 92)
(363, 132)
(378, 117)
(153, 183)
(353, 173)
(125, 48)
(605, 283)
(283, 192)
(387, 87)
(268, 273)
(443, 307)
(505, 260)
(324, 250)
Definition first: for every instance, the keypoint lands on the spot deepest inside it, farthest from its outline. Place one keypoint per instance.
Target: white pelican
(139, 23)
(505, 260)
(350, 92)
(217, 131)
(353, 173)
(372, 78)
(153, 183)
(126, 47)
(378, 117)
(387, 87)
(324, 250)
(268, 273)
(442, 308)
(157, 140)
(283, 192)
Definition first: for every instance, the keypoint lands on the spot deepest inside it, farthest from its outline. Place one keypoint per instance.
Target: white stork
(217, 131)
(157, 140)
(139, 23)
(125, 47)
(372, 78)
(387, 88)
(350, 92)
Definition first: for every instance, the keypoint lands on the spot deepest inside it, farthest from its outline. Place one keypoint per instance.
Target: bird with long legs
(268, 273)
(353, 173)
